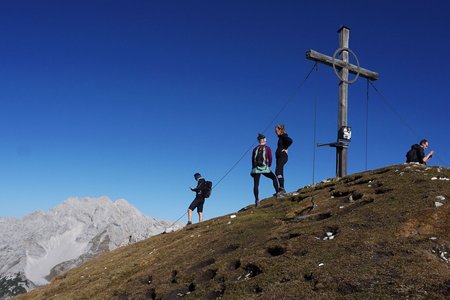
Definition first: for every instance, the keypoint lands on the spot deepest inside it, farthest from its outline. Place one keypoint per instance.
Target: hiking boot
(280, 194)
(282, 190)
(256, 203)
(189, 223)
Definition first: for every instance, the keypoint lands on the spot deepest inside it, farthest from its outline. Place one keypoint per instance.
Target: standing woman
(281, 155)
(261, 162)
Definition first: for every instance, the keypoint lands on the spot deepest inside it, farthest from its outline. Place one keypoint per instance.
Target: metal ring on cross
(339, 51)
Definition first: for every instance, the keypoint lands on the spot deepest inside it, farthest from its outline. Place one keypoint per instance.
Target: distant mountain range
(44, 244)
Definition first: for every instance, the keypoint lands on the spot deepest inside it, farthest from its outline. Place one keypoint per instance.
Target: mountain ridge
(41, 245)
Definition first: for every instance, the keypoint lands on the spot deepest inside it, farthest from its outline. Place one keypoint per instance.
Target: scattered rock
(442, 252)
(252, 271)
(440, 178)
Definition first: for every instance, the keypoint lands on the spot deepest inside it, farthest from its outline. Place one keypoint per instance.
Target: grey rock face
(44, 244)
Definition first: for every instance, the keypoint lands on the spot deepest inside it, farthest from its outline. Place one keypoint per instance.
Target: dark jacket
(284, 141)
(416, 154)
(420, 154)
(200, 187)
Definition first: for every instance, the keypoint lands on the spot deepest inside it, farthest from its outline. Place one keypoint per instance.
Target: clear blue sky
(129, 99)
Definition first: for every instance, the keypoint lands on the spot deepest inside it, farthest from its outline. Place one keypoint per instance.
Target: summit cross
(342, 68)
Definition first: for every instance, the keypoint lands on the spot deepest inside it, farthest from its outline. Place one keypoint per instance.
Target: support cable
(290, 99)
(315, 127)
(414, 132)
(367, 122)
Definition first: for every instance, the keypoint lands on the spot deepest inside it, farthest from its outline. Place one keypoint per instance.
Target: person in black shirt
(281, 155)
(199, 199)
(417, 153)
(421, 157)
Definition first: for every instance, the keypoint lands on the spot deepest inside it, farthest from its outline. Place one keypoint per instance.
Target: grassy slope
(384, 223)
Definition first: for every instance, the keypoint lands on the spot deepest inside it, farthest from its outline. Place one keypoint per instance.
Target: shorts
(197, 203)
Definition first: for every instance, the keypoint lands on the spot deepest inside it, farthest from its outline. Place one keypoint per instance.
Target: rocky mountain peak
(41, 245)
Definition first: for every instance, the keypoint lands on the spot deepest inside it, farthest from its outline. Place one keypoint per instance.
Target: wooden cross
(342, 67)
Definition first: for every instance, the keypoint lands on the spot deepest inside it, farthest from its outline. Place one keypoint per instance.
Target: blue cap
(197, 176)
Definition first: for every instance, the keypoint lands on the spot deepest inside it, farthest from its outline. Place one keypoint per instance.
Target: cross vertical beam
(342, 151)
(342, 64)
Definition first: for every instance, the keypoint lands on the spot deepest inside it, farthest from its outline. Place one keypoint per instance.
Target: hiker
(417, 153)
(199, 198)
(261, 162)
(281, 155)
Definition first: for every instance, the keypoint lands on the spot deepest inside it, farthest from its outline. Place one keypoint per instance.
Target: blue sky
(129, 99)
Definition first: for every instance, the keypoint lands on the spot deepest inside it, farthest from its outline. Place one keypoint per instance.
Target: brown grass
(388, 242)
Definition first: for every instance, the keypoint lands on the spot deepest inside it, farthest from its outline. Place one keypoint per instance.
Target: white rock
(229, 222)
(232, 216)
(329, 233)
(341, 206)
(433, 238)
(440, 198)
(433, 178)
(321, 264)
(437, 204)
(331, 237)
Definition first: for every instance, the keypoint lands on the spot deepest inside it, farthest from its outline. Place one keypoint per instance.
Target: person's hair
(423, 142)
(281, 128)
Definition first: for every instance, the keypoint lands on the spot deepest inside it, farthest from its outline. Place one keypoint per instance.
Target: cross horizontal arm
(328, 60)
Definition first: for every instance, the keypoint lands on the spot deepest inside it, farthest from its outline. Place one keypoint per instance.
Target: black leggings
(256, 182)
(281, 161)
